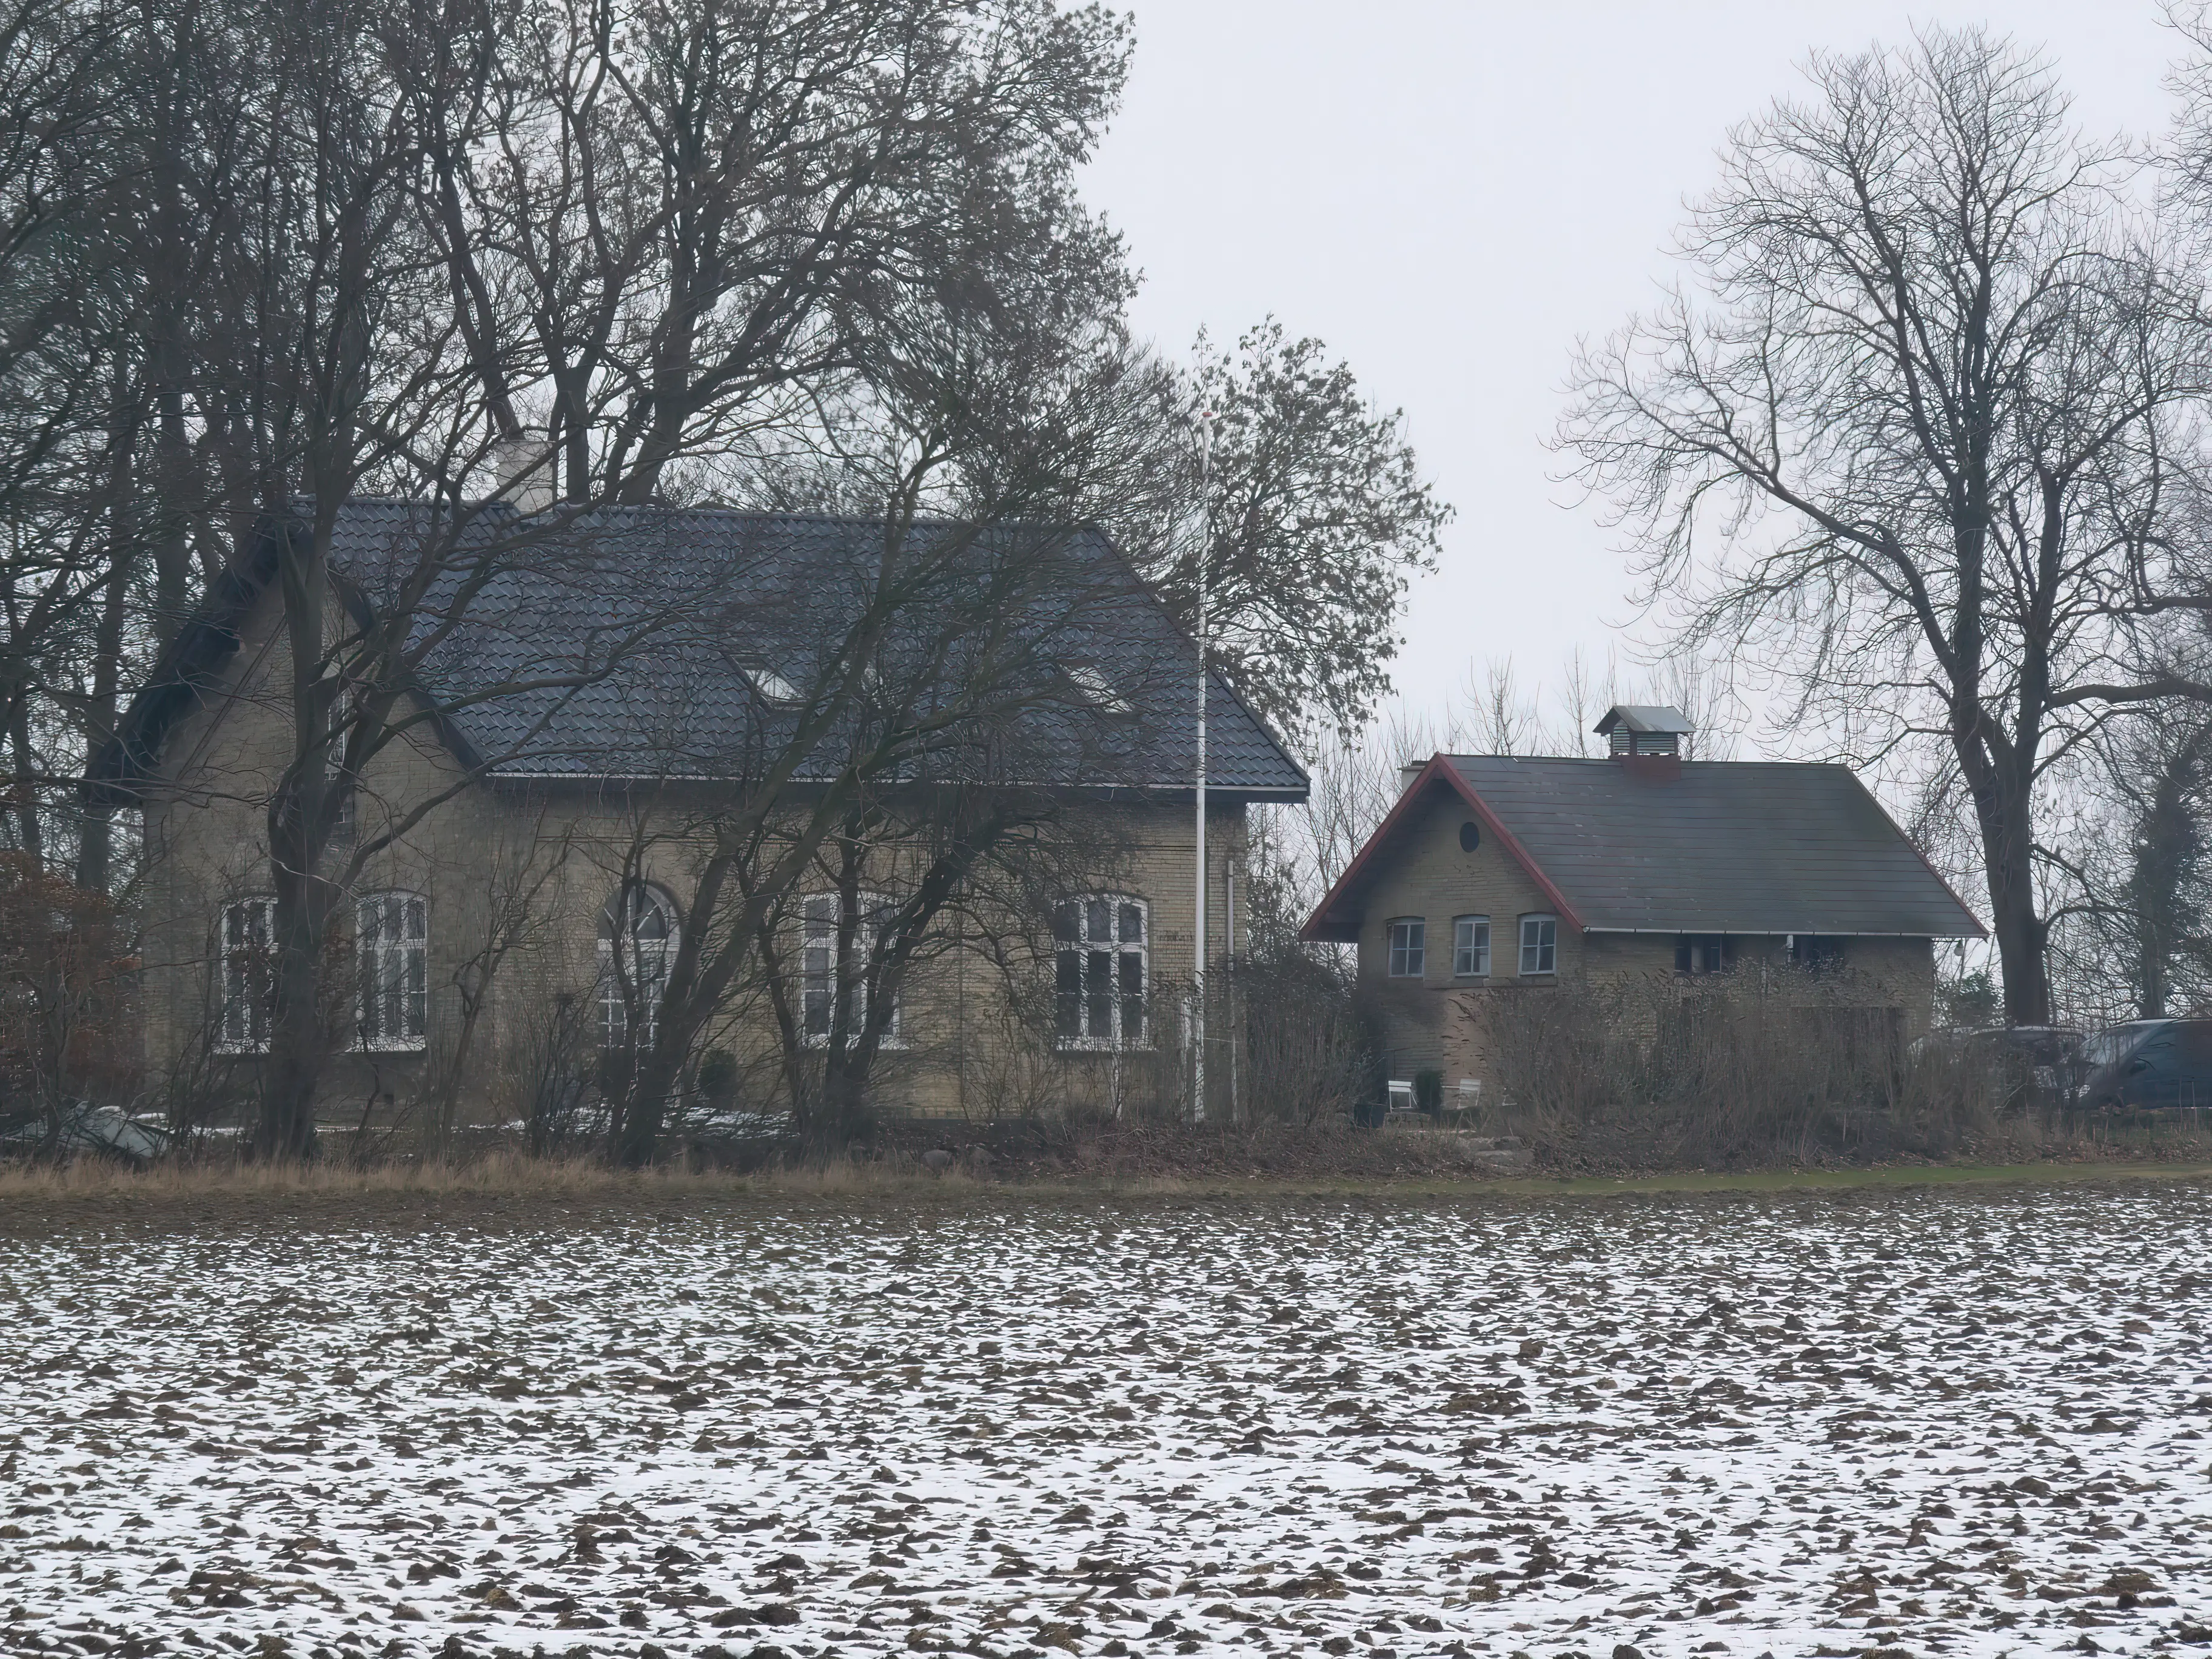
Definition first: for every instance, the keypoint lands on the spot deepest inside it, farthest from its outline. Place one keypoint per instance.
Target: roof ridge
(1611, 760)
(846, 520)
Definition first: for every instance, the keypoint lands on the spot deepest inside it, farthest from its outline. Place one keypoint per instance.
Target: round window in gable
(1470, 836)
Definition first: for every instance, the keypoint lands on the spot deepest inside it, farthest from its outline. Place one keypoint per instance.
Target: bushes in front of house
(1781, 1066)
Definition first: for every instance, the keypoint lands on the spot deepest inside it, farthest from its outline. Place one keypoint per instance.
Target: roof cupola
(1635, 728)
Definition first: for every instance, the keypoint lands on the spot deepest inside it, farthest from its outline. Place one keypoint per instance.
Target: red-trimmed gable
(1336, 918)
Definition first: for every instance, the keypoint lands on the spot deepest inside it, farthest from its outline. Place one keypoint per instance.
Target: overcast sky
(1449, 191)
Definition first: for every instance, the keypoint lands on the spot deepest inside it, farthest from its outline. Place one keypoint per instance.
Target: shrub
(1310, 1043)
(1748, 1066)
(66, 1027)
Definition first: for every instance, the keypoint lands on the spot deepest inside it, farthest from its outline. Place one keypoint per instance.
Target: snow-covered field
(1916, 1422)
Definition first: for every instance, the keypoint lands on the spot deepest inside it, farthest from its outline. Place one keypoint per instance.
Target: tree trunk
(95, 836)
(298, 1042)
(653, 1084)
(173, 553)
(30, 833)
(2002, 815)
(95, 848)
(300, 820)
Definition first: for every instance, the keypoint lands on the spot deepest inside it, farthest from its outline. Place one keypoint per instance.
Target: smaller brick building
(1502, 875)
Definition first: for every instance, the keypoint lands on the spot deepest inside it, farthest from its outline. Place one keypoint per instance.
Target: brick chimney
(522, 468)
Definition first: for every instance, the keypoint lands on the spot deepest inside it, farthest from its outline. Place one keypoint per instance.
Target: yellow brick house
(535, 860)
(1510, 875)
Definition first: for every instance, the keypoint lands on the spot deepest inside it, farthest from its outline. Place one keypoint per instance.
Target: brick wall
(566, 846)
(1433, 1023)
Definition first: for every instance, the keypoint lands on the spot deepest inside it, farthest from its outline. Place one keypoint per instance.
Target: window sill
(1099, 1045)
(395, 1046)
(887, 1046)
(241, 1050)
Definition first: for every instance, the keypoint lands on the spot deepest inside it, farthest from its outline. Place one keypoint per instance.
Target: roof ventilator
(1647, 738)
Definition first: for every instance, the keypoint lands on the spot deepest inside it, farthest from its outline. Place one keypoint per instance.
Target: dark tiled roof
(729, 599)
(1742, 846)
(1695, 846)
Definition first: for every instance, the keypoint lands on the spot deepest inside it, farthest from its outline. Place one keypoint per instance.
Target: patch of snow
(1937, 1423)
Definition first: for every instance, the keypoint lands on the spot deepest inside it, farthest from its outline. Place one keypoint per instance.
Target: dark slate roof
(1741, 846)
(727, 599)
(1715, 846)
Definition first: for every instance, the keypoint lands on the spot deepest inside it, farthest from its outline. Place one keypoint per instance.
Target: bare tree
(702, 216)
(1913, 433)
(1317, 523)
(1503, 720)
(68, 402)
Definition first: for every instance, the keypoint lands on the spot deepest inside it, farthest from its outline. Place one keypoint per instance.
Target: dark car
(2152, 1063)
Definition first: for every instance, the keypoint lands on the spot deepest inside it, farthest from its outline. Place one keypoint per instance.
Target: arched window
(391, 970)
(638, 936)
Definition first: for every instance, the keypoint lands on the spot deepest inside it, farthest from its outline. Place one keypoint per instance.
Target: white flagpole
(1205, 419)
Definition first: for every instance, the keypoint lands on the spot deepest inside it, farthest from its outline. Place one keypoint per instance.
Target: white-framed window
(823, 975)
(391, 970)
(1539, 945)
(1702, 953)
(774, 689)
(1097, 689)
(638, 937)
(1818, 953)
(1409, 947)
(1100, 941)
(1470, 946)
(249, 985)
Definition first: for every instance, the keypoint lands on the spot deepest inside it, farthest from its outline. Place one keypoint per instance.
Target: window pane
(1133, 924)
(416, 983)
(372, 1004)
(1539, 945)
(1098, 927)
(1471, 946)
(1064, 922)
(1133, 999)
(392, 1017)
(248, 927)
(1069, 991)
(1098, 992)
(817, 963)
